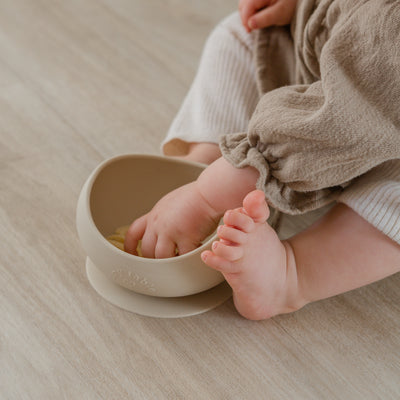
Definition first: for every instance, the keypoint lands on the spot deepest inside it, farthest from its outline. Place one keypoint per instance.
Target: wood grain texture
(84, 80)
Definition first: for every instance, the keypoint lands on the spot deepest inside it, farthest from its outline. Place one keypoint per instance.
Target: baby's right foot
(254, 261)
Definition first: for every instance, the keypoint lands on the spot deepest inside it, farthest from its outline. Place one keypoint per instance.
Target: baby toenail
(215, 245)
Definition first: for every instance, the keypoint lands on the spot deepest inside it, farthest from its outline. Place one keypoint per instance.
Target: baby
(341, 252)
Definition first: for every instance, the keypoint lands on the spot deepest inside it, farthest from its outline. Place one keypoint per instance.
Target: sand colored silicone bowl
(118, 191)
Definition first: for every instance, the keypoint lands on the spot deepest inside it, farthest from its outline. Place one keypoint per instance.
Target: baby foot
(254, 261)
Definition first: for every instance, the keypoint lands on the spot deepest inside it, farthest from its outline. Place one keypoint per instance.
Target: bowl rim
(119, 252)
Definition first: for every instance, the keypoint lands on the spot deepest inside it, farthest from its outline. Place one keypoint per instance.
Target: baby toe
(238, 219)
(232, 234)
(228, 252)
(255, 206)
(219, 263)
(216, 262)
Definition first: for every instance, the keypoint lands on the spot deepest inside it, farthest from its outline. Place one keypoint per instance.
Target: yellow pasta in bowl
(118, 239)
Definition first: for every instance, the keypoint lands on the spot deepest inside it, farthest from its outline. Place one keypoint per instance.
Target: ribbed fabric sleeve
(223, 94)
(375, 196)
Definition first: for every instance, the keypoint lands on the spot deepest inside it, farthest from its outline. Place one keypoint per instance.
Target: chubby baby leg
(254, 261)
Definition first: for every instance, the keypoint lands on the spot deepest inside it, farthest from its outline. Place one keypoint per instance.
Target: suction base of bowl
(160, 307)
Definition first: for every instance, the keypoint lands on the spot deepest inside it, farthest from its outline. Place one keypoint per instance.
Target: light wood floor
(84, 80)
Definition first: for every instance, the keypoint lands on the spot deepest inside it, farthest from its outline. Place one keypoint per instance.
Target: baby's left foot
(254, 261)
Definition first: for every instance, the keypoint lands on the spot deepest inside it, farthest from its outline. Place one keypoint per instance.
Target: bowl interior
(127, 187)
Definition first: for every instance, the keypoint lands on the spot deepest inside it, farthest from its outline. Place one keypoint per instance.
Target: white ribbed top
(223, 95)
(376, 197)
